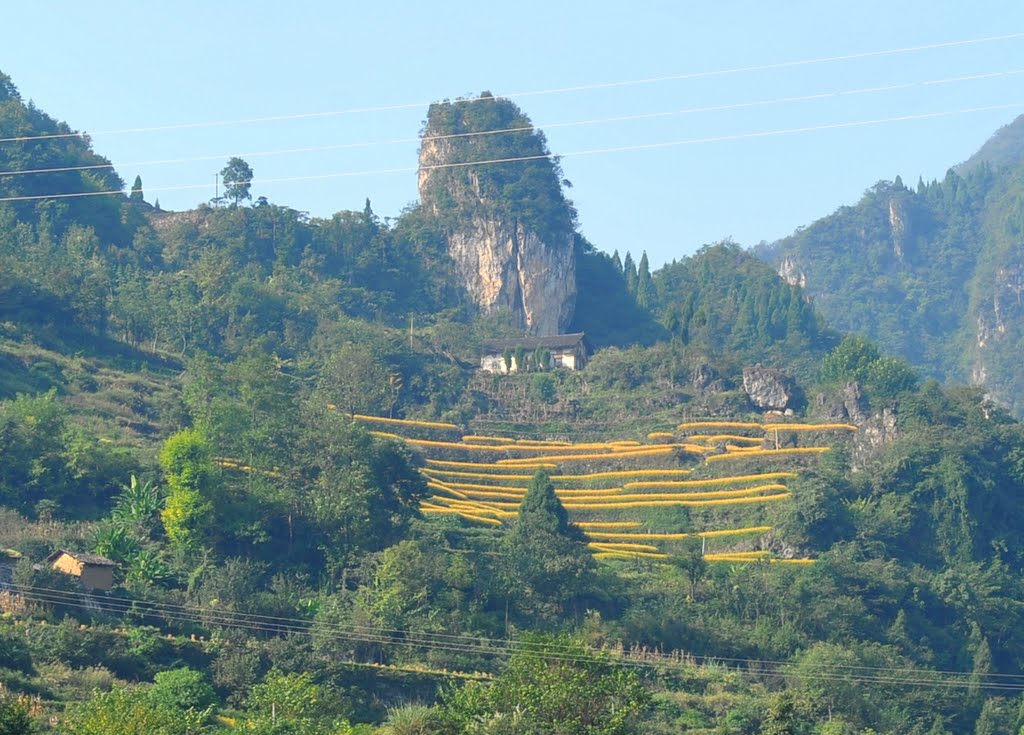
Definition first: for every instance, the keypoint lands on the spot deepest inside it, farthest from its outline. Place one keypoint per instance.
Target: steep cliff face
(510, 230)
(933, 274)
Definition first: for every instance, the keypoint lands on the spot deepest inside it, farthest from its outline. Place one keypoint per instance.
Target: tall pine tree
(546, 564)
(136, 195)
(644, 284)
(630, 274)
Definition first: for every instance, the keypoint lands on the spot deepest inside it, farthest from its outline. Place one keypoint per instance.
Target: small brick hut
(95, 572)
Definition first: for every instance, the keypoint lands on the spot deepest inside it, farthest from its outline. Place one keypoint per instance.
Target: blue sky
(111, 66)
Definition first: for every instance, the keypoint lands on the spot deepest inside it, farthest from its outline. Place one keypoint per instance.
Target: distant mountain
(934, 274)
(1005, 148)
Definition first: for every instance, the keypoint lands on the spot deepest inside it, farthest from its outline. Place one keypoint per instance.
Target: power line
(536, 127)
(541, 92)
(506, 647)
(570, 154)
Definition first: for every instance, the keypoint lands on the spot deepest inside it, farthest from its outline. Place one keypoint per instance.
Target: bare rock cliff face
(505, 264)
(505, 257)
(1000, 328)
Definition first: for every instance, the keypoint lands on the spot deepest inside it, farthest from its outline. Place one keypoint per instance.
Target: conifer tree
(136, 195)
(546, 564)
(630, 274)
(644, 284)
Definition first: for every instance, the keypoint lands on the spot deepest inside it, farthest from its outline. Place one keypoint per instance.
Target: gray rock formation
(703, 376)
(509, 252)
(768, 388)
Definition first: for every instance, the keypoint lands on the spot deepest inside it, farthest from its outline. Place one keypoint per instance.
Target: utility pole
(216, 186)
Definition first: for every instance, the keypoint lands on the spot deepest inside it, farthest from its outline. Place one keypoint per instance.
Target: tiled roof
(84, 557)
(554, 342)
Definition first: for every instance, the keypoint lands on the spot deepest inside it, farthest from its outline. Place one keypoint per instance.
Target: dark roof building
(567, 351)
(94, 571)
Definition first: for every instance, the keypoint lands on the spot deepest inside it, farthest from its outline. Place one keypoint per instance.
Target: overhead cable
(529, 128)
(556, 156)
(505, 647)
(542, 92)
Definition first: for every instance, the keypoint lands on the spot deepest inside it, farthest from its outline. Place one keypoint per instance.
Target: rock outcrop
(509, 229)
(791, 273)
(768, 388)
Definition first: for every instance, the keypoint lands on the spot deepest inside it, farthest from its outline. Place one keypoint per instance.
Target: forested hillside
(931, 273)
(321, 518)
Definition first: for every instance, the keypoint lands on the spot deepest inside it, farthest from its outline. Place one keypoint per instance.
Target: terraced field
(634, 500)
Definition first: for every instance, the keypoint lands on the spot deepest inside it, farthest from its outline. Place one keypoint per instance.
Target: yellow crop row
(544, 442)
(609, 524)
(734, 531)
(738, 448)
(481, 519)
(492, 504)
(737, 555)
(646, 452)
(237, 463)
(451, 445)
(809, 427)
(684, 503)
(629, 554)
(487, 495)
(574, 492)
(445, 488)
(230, 465)
(476, 475)
(768, 453)
(465, 505)
(520, 492)
(516, 447)
(498, 469)
(484, 495)
(468, 516)
(405, 422)
(484, 509)
(491, 488)
(718, 424)
(729, 437)
(661, 435)
(469, 438)
(556, 478)
(613, 546)
(619, 474)
(711, 481)
(680, 496)
(800, 562)
(677, 536)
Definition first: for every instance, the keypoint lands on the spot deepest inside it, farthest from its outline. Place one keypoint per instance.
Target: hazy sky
(729, 172)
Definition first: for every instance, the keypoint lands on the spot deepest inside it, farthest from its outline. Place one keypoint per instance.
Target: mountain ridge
(931, 273)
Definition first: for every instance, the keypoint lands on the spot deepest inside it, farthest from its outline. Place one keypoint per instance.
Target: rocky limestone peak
(791, 273)
(510, 230)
